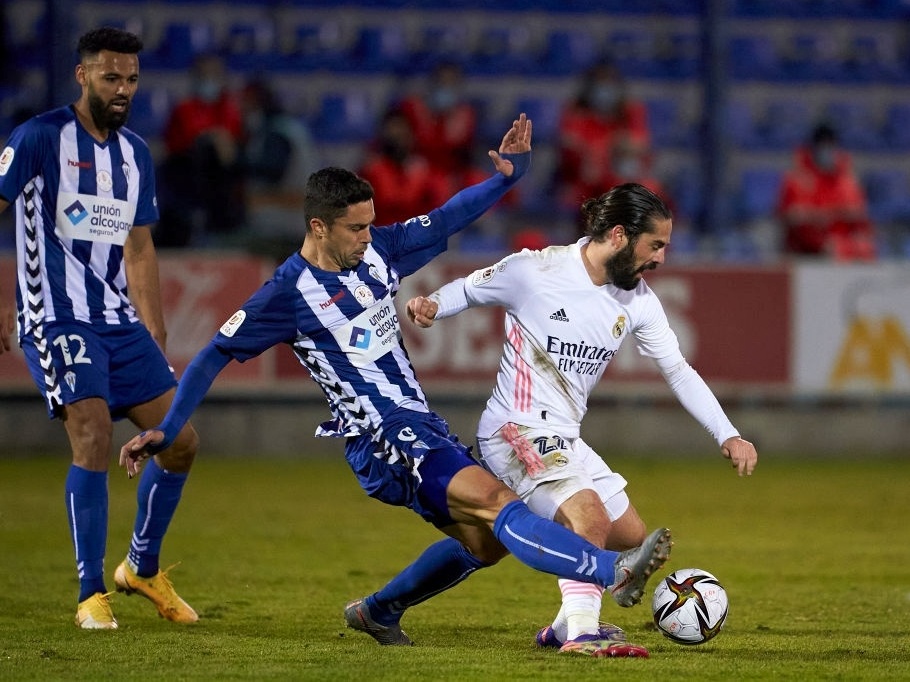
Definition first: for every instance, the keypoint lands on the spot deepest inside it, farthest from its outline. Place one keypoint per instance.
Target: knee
(180, 455)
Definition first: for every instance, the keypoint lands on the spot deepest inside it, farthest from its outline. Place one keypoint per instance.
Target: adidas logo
(560, 315)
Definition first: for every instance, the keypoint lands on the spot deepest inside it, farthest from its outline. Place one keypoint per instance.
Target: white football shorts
(545, 470)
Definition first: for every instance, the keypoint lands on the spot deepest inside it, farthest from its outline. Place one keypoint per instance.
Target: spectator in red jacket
(403, 181)
(601, 115)
(200, 180)
(822, 204)
(445, 127)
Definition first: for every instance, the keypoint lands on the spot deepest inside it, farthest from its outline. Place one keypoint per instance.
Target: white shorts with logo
(545, 470)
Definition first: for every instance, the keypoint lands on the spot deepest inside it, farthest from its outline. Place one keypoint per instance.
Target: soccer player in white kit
(568, 310)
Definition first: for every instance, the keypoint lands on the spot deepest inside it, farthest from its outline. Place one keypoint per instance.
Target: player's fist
(422, 311)
(741, 453)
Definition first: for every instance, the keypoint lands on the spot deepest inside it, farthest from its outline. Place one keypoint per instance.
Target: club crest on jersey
(70, 379)
(483, 276)
(619, 327)
(105, 181)
(364, 296)
(6, 159)
(230, 327)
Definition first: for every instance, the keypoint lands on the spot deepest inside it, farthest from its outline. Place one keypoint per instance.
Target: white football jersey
(561, 333)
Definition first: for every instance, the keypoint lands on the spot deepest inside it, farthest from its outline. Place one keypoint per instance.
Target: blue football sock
(549, 547)
(442, 565)
(158, 493)
(86, 509)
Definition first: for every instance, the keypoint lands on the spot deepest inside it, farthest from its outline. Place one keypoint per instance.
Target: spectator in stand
(822, 206)
(277, 157)
(402, 179)
(630, 162)
(200, 179)
(601, 115)
(445, 127)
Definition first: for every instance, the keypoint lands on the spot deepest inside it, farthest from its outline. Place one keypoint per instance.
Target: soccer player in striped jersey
(89, 312)
(568, 310)
(332, 303)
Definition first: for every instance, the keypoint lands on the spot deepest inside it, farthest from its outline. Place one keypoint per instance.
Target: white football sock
(580, 608)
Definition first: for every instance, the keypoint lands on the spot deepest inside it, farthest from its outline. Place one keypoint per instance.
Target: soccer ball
(689, 606)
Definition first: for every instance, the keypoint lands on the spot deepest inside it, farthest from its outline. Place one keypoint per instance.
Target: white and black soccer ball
(689, 606)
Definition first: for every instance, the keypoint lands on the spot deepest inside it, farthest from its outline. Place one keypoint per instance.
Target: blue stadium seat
(345, 117)
(634, 53)
(786, 123)
(680, 54)
(251, 45)
(811, 57)
(758, 192)
(181, 42)
(381, 48)
(504, 50)
(149, 111)
(888, 195)
(896, 128)
(317, 45)
(754, 57)
(855, 121)
(668, 128)
(544, 112)
(741, 125)
(442, 43)
(569, 51)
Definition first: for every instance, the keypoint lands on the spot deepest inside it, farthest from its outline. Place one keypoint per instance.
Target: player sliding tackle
(568, 310)
(331, 303)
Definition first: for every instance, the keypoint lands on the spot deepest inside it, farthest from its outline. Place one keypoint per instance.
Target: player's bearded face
(110, 114)
(623, 270)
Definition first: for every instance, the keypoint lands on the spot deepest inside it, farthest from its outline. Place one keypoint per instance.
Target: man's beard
(105, 118)
(621, 269)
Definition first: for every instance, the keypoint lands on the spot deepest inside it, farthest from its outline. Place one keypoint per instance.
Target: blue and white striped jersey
(343, 326)
(76, 201)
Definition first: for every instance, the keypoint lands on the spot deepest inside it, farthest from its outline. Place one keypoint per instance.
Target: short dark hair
(330, 191)
(631, 205)
(108, 38)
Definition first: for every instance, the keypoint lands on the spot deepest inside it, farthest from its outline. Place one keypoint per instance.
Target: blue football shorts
(422, 488)
(121, 364)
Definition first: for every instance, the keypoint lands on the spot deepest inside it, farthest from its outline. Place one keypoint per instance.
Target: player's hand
(135, 452)
(741, 453)
(422, 311)
(516, 141)
(7, 327)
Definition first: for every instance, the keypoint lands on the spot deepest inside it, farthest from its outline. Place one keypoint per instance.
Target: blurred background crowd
(773, 128)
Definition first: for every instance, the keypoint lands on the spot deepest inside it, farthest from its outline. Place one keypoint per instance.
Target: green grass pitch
(815, 557)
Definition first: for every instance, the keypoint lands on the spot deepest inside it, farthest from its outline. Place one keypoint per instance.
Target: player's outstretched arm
(741, 453)
(517, 140)
(422, 311)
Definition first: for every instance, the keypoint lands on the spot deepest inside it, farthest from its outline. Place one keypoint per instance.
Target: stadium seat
(754, 57)
(896, 128)
(680, 54)
(251, 45)
(149, 111)
(381, 48)
(504, 50)
(345, 117)
(317, 45)
(180, 44)
(545, 112)
(569, 51)
(741, 125)
(811, 57)
(668, 127)
(888, 195)
(442, 43)
(634, 53)
(856, 122)
(786, 123)
(758, 193)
